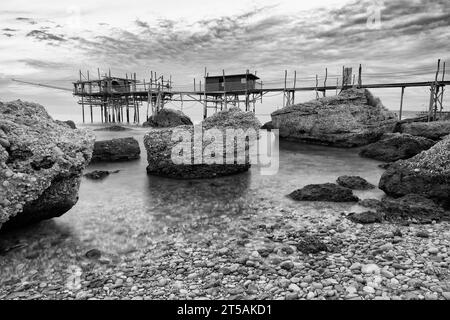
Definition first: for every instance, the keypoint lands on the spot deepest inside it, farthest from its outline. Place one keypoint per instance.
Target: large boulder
(41, 163)
(352, 118)
(431, 130)
(324, 192)
(396, 146)
(167, 118)
(427, 173)
(121, 149)
(200, 157)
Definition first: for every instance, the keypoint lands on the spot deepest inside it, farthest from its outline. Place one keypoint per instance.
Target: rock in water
(412, 206)
(161, 143)
(311, 244)
(99, 174)
(267, 126)
(122, 149)
(113, 128)
(168, 118)
(432, 130)
(41, 167)
(324, 192)
(396, 146)
(427, 173)
(354, 182)
(352, 118)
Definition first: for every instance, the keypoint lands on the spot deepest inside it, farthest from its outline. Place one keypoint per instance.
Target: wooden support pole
(224, 90)
(317, 84)
(295, 84)
(442, 91)
(284, 89)
(205, 104)
(360, 76)
(247, 98)
(194, 86)
(325, 82)
(401, 104)
(90, 97)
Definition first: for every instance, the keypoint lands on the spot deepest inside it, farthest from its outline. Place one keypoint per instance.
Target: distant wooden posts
(325, 82)
(401, 104)
(205, 101)
(360, 76)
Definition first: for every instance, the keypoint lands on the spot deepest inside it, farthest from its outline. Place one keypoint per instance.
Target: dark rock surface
(324, 192)
(41, 163)
(366, 217)
(121, 149)
(412, 206)
(311, 244)
(427, 173)
(354, 182)
(114, 128)
(352, 118)
(168, 118)
(267, 126)
(99, 174)
(393, 147)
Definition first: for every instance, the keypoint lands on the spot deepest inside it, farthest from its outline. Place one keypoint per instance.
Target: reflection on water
(129, 209)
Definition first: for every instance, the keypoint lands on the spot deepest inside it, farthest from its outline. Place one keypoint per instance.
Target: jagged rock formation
(354, 182)
(41, 163)
(352, 118)
(324, 192)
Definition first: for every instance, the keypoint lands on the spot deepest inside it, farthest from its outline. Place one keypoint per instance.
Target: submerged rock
(366, 217)
(352, 118)
(412, 206)
(427, 173)
(167, 118)
(396, 146)
(186, 144)
(99, 174)
(40, 166)
(121, 149)
(354, 182)
(324, 192)
(432, 130)
(113, 128)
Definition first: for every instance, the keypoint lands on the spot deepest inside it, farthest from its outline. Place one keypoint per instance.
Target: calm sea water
(128, 208)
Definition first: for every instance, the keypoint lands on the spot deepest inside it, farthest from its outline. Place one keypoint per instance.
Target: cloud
(45, 36)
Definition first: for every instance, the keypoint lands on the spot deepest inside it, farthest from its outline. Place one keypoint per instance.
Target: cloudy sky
(50, 40)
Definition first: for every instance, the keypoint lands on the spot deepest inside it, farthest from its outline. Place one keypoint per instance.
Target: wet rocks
(121, 149)
(168, 118)
(366, 217)
(188, 152)
(353, 118)
(99, 174)
(311, 244)
(395, 146)
(434, 130)
(324, 192)
(267, 126)
(354, 182)
(427, 173)
(41, 165)
(412, 206)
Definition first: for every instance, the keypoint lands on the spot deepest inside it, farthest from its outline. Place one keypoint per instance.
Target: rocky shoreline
(396, 248)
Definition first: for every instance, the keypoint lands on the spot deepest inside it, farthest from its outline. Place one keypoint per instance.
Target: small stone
(446, 295)
(294, 287)
(291, 296)
(386, 273)
(287, 265)
(317, 285)
(310, 295)
(369, 289)
(433, 250)
(370, 268)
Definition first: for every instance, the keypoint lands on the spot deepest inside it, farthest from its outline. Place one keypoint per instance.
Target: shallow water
(128, 209)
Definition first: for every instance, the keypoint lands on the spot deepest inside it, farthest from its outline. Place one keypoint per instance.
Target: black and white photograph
(223, 155)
